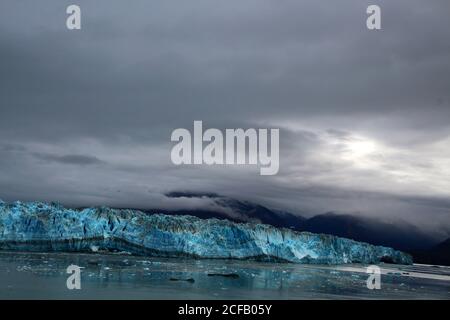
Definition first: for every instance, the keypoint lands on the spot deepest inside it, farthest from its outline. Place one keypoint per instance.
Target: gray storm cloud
(86, 116)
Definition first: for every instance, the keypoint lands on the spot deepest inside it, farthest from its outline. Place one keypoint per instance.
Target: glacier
(37, 226)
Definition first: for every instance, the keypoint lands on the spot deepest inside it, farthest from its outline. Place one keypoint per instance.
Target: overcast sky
(364, 116)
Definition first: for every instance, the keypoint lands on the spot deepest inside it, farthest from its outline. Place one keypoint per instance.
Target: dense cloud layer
(86, 116)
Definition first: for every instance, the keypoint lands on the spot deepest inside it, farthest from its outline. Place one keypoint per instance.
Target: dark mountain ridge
(406, 237)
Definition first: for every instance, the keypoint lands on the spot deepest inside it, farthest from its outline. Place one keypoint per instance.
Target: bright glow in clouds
(360, 148)
(352, 160)
(360, 151)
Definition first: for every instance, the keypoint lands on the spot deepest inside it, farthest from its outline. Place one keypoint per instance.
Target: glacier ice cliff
(39, 226)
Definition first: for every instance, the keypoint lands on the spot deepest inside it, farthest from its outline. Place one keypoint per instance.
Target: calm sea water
(113, 276)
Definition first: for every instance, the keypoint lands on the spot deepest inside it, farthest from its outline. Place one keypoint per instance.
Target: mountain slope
(400, 236)
(438, 254)
(235, 210)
